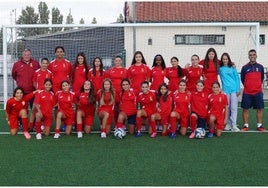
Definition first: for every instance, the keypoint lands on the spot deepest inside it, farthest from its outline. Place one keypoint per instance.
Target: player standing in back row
(252, 75)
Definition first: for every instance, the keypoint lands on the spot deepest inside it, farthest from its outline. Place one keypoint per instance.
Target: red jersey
(157, 76)
(84, 105)
(165, 107)
(46, 101)
(97, 79)
(137, 74)
(193, 74)
(65, 101)
(199, 103)
(23, 72)
(61, 70)
(173, 79)
(79, 77)
(40, 76)
(217, 103)
(210, 75)
(13, 107)
(128, 102)
(181, 102)
(148, 102)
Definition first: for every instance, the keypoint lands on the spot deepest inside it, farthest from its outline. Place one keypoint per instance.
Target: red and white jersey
(165, 107)
(148, 102)
(116, 75)
(61, 70)
(97, 79)
(199, 103)
(181, 102)
(46, 101)
(137, 74)
(79, 77)
(193, 74)
(217, 103)
(128, 102)
(84, 104)
(65, 101)
(173, 78)
(13, 107)
(39, 77)
(157, 76)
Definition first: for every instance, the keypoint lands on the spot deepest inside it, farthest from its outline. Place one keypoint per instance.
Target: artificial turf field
(234, 159)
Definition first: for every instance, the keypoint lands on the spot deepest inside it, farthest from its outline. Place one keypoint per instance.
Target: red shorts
(47, 120)
(88, 120)
(184, 119)
(13, 122)
(164, 118)
(110, 112)
(219, 123)
(69, 118)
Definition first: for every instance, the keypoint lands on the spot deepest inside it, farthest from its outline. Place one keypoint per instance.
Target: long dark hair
(112, 93)
(215, 60)
(94, 67)
(180, 70)
(91, 94)
(142, 60)
(163, 64)
(159, 95)
(230, 63)
(84, 63)
(122, 90)
(16, 89)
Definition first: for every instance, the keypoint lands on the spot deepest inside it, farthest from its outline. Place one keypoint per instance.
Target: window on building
(199, 39)
(262, 39)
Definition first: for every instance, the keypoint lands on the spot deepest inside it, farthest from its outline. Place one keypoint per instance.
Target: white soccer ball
(119, 133)
(200, 133)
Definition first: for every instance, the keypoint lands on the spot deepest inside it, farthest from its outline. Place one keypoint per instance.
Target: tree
(1, 40)
(94, 20)
(28, 16)
(43, 16)
(120, 19)
(69, 20)
(81, 21)
(57, 18)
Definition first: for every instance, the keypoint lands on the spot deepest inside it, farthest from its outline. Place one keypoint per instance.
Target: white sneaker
(57, 135)
(235, 129)
(103, 135)
(227, 127)
(38, 136)
(79, 134)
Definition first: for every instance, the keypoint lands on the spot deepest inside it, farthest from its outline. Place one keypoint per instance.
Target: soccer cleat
(38, 136)
(210, 135)
(27, 135)
(138, 134)
(172, 135)
(235, 129)
(227, 127)
(153, 135)
(79, 134)
(245, 129)
(192, 135)
(103, 135)
(56, 135)
(261, 129)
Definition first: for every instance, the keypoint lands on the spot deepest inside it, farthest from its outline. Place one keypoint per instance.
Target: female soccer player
(181, 100)
(17, 107)
(158, 72)
(96, 74)
(231, 87)
(65, 100)
(61, 69)
(106, 101)
(164, 107)
(217, 110)
(174, 74)
(147, 101)
(199, 106)
(44, 103)
(193, 73)
(128, 108)
(210, 69)
(138, 72)
(80, 72)
(86, 108)
(41, 74)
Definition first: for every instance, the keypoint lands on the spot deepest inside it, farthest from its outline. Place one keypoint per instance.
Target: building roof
(216, 11)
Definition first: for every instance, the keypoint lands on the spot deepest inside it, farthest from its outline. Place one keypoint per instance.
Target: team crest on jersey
(220, 99)
(69, 98)
(63, 65)
(257, 69)
(31, 65)
(23, 103)
(142, 70)
(151, 99)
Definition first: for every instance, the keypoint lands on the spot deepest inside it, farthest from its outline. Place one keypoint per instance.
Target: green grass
(234, 159)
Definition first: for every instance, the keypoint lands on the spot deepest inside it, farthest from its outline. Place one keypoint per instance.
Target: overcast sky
(105, 11)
